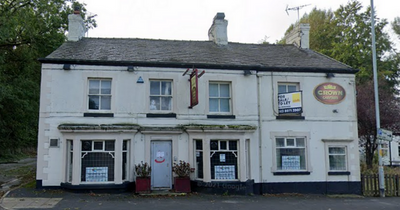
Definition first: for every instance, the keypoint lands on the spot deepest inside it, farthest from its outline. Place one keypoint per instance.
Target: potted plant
(143, 181)
(182, 182)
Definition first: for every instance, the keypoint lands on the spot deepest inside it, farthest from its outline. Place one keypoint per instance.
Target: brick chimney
(76, 27)
(299, 36)
(218, 30)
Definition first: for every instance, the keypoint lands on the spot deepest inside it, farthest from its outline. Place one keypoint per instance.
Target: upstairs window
(160, 95)
(99, 94)
(219, 97)
(289, 99)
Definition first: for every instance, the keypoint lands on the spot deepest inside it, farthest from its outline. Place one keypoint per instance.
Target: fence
(370, 185)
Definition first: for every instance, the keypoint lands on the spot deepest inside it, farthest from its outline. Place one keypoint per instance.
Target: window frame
(149, 103)
(213, 152)
(285, 146)
(88, 94)
(83, 153)
(291, 134)
(345, 158)
(287, 84)
(230, 101)
(201, 158)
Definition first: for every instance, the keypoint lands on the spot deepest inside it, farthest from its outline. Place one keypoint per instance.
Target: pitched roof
(201, 54)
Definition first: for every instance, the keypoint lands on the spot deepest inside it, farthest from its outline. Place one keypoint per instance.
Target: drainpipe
(259, 126)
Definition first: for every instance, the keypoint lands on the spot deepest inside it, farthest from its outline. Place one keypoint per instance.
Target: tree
(396, 26)
(389, 114)
(29, 29)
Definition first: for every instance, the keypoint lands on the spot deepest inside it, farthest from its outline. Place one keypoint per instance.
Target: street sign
(385, 135)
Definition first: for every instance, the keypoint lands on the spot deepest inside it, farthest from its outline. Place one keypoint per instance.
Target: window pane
(337, 162)
(232, 145)
(292, 88)
(337, 150)
(281, 88)
(280, 142)
(214, 145)
(222, 145)
(125, 145)
(224, 105)
(154, 103)
(105, 102)
(214, 105)
(105, 87)
(290, 142)
(166, 88)
(86, 145)
(110, 145)
(155, 88)
(93, 102)
(94, 86)
(199, 145)
(224, 90)
(290, 159)
(300, 142)
(98, 145)
(213, 90)
(166, 103)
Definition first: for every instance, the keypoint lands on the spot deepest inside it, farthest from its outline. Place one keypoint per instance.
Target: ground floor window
(290, 153)
(337, 158)
(70, 155)
(97, 160)
(125, 158)
(198, 144)
(224, 159)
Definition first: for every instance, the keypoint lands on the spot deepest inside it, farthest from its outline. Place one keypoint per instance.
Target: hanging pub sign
(290, 102)
(194, 93)
(329, 93)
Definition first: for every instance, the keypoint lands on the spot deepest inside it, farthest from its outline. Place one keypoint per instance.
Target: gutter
(262, 68)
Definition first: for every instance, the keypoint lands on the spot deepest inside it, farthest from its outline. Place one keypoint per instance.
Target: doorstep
(162, 193)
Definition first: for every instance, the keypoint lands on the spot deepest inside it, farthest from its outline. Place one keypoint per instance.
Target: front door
(161, 170)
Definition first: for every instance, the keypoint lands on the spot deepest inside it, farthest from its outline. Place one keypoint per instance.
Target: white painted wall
(64, 100)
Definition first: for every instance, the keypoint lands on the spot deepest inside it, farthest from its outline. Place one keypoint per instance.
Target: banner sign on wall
(194, 93)
(290, 102)
(329, 93)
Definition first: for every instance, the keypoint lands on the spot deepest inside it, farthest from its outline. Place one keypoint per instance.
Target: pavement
(25, 197)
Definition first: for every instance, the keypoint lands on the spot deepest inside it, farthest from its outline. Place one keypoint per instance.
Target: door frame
(152, 163)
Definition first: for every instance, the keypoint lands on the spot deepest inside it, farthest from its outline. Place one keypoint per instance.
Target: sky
(249, 21)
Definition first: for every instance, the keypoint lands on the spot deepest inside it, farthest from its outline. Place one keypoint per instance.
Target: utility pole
(378, 120)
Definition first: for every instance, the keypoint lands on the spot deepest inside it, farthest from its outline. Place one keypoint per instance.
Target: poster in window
(290, 102)
(224, 172)
(290, 162)
(222, 158)
(96, 174)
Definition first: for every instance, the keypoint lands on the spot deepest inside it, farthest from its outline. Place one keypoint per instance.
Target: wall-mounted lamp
(131, 68)
(330, 75)
(67, 67)
(247, 72)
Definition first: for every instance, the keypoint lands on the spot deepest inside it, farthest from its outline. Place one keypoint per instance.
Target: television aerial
(296, 8)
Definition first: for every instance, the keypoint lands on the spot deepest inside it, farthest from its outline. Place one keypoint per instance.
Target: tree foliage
(345, 35)
(29, 29)
(396, 26)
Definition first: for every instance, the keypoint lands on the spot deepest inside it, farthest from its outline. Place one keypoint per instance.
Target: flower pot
(143, 185)
(182, 184)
